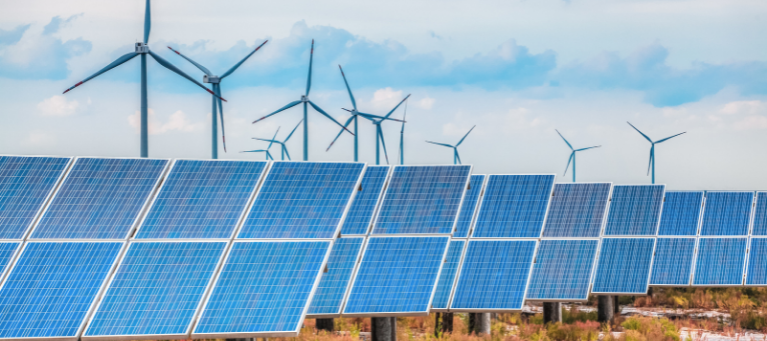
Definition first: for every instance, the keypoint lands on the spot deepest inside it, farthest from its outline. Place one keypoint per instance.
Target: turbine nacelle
(142, 48)
(211, 79)
(304, 98)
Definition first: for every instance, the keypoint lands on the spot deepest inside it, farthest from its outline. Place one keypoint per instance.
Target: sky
(517, 70)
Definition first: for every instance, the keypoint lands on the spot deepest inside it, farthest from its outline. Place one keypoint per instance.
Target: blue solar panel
(727, 213)
(720, 261)
(397, 275)
(422, 199)
(624, 265)
(25, 185)
(760, 216)
(157, 289)
(577, 210)
(100, 198)
(50, 290)
(635, 210)
(447, 276)
(494, 275)
(263, 288)
(672, 263)
(302, 200)
(360, 216)
(514, 206)
(7, 250)
(756, 274)
(681, 214)
(469, 207)
(332, 289)
(201, 199)
(562, 270)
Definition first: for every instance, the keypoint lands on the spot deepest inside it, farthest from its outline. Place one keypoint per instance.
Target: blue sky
(516, 69)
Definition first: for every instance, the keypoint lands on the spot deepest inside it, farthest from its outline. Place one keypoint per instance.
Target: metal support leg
(325, 324)
(380, 329)
(605, 309)
(552, 312)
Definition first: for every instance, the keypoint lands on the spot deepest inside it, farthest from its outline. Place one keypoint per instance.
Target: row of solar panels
(243, 249)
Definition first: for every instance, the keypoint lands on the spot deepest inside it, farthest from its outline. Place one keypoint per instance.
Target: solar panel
(756, 273)
(422, 199)
(302, 200)
(469, 207)
(624, 266)
(760, 216)
(201, 199)
(100, 199)
(335, 282)
(52, 287)
(447, 276)
(577, 210)
(562, 270)
(7, 250)
(494, 275)
(720, 261)
(156, 290)
(672, 263)
(25, 185)
(397, 275)
(635, 210)
(681, 213)
(263, 290)
(360, 216)
(514, 206)
(727, 213)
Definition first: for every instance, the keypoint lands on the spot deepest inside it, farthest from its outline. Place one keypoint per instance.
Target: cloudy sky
(517, 70)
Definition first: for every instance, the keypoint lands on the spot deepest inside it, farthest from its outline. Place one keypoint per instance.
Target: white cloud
(751, 122)
(426, 103)
(386, 98)
(519, 118)
(40, 138)
(57, 106)
(177, 121)
(744, 107)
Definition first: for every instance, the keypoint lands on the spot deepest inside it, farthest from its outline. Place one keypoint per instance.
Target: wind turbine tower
(652, 149)
(284, 148)
(572, 155)
(265, 151)
(456, 157)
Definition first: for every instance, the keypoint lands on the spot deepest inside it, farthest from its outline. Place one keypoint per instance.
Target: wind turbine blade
(294, 130)
(670, 137)
(383, 143)
(202, 68)
(587, 148)
(267, 140)
(440, 144)
(124, 58)
(328, 116)
(635, 128)
(290, 105)
(286, 151)
(147, 23)
(464, 137)
(309, 79)
(170, 66)
(568, 143)
(269, 155)
(652, 155)
(354, 103)
(273, 139)
(404, 117)
(398, 104)
(253, 151)
(340, 132)
(458, 156)
(568, 162)
(217, 87)
(227, 73)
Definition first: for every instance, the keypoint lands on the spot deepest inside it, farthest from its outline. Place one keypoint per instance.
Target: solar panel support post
(552, 312)
(381, 329)
(443, 326)
(479, 323)
(605, 308)
(616, 305)
(325, 324)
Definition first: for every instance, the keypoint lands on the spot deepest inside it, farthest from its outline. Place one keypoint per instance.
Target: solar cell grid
(100, 199)
(672, 263)
(562, 270)
(422, 199)
(156, 290)
(635, 210)
(720, 261)
(7, 251)
(201, 199)
(302, 200)
(513, 206)
(760, 215)
(577, 210)
(624, 266)
(334, 283)
(727, 213)
(360, 216)
(469, 206)
(447, 276)
(756, 273)
(25, 186)
(681, 213)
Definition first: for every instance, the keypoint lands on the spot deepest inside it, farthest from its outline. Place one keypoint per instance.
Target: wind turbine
(305, 100)
(142, 49)
(402, 138)
(284, 150)
(652, 149)
(379, 132)
(572, 155)
(456, 157)
(216, 82)
(268, 154)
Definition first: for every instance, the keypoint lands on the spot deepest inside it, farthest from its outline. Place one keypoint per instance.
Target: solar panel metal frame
(697, 254)
(217, 276)
(748, 258)
(378, 203)
(697, 225)
(692, 262)
(457, 213)
(348, 285)
(481, 201)
(591, 273)
(603, 223)
(12, 260)
(610, 206)
(99, 294)
(750, 224)
(434, 286)
(167, 172)
(754, 210)
(457, 272)
(336, 234)
(476, 208)
(198, 310)
(139, 217)
(49, 197)
(599, 255)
